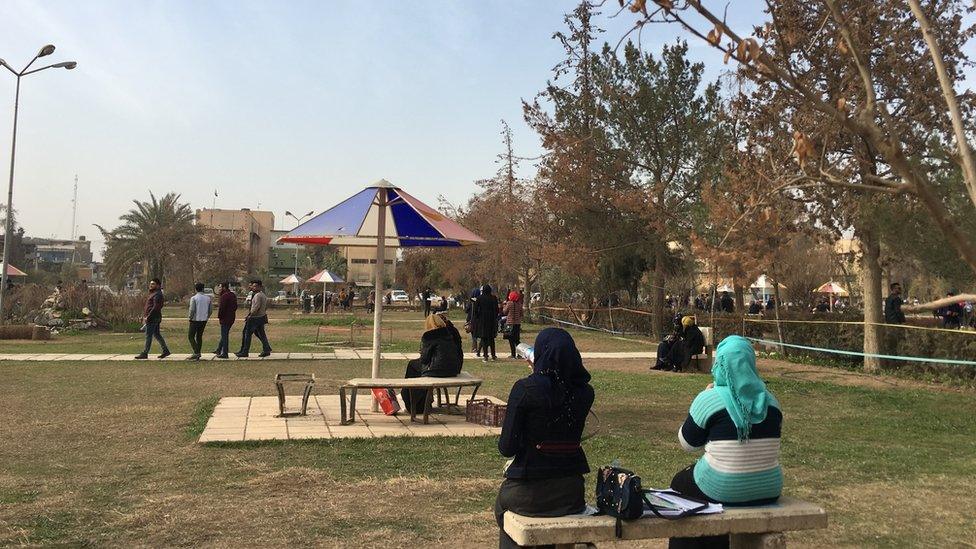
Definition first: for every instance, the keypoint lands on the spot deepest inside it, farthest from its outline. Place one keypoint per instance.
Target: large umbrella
(14, 271)
(291, 279)
(326, 277)
(833, 289)
(381, 215)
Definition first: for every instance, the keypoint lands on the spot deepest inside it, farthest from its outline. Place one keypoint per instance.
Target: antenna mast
(74, 209)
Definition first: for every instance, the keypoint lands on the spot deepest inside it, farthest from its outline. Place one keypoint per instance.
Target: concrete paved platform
(338, 354)
(237, 419)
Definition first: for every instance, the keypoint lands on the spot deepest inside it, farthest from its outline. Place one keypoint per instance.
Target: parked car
(536, 297)
(399, 296)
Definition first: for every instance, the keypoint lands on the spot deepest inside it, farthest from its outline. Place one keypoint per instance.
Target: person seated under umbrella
(441, 355)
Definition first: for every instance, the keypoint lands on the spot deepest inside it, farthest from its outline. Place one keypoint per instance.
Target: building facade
(361, 262)
(252, 229)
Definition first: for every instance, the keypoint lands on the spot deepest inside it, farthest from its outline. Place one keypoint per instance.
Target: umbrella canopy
(14, 271)
(326, 277)
(725, 288)
(355, 222)
(381, 215)
(831, 288)
(763, 283)
(290, 279)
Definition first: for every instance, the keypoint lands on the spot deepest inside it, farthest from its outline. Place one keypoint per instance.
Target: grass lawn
(290, 332)
(105, 454)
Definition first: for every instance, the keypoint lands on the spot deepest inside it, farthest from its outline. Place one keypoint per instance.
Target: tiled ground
(253, 418)
(338, 354)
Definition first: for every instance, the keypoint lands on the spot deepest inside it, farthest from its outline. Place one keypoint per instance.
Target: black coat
(533, 406)
(694, 340)
(440, 352)
(484, 318)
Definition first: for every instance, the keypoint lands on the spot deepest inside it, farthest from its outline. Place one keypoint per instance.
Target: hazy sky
(278, 105)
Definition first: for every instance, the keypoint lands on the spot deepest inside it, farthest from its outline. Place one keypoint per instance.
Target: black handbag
(619, 494)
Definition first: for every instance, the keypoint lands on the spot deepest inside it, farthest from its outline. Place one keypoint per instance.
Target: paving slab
(339, 354)
(254, 418)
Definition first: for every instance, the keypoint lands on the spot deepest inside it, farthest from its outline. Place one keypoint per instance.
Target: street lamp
(298, 221)
(8, 226)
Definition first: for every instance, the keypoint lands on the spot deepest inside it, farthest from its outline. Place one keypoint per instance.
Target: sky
(275, 105)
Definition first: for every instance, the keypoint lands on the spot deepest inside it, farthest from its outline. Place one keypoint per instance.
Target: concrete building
(252, 229)
(47, 253)
(281, 259)
(360, 263)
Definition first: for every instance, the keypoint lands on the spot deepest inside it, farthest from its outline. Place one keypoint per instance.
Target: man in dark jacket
(226, 314)
(152, 318)
(727, 304)
(892, 305)
(951, 314)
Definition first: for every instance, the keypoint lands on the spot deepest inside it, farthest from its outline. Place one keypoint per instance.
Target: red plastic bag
(387, 400)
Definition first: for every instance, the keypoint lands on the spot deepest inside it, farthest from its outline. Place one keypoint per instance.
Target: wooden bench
(463, 379)
(749, 527)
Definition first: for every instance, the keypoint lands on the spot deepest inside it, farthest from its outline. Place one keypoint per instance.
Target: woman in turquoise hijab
(737, 422)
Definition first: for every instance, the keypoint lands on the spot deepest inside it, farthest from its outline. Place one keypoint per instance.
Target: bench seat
(752, 527)
(463, 379)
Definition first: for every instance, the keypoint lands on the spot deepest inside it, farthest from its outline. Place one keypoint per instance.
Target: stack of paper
(670, 503)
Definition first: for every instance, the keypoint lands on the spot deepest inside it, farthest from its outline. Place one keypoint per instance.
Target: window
(359, 261)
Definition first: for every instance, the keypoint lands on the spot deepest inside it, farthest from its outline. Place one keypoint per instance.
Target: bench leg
(427, 409)
(342, 405)
(473, 393)
(352, 406)
(457, 397)
(768, 540)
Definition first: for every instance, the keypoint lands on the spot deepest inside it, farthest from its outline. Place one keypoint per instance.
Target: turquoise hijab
(737, 381)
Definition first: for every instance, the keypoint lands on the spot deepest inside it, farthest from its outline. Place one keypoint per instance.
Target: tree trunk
(871, 290)
(740, 300)
(657, 294)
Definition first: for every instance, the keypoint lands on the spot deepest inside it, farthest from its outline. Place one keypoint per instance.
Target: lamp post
(8, 225)
(298, 221)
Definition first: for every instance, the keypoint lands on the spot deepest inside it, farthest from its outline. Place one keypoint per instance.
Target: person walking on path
(486, 320)
(199, 315)
(471, 323)
(513, 318)
(226, 315)
(152, 317)
(255, 321)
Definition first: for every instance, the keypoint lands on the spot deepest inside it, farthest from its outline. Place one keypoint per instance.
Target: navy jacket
(533, 406)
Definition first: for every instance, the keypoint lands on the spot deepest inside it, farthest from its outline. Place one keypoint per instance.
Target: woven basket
(485, 412)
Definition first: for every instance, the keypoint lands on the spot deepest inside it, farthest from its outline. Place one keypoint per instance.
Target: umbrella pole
(378, 285)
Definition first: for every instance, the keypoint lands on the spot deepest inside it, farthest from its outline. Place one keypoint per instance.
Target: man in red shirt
(152, 317)
(226, 314)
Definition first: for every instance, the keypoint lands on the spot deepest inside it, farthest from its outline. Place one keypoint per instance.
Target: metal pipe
(8, 222)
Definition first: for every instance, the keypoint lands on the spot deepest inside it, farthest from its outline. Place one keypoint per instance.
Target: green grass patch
(201, 414)
(330, 321)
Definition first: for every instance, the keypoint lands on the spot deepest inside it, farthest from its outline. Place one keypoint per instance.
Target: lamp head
(288, 213)
(65, 65)
(46, 50)
(310, 213)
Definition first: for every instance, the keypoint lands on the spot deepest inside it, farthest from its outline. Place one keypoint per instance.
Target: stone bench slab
(463, 378)
(788, 515)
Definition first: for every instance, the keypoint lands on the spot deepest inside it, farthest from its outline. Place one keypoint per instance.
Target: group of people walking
(485, 316)
(200, 311)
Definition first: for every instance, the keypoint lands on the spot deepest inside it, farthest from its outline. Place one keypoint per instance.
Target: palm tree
(154, 233)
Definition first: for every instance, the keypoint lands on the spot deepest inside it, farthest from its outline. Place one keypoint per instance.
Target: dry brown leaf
(802, 148)
(666, 4)
(639, 6)
(715, 35)
(728, 55)
(754, 50)
(842, 104)
(741, 52)
(842, 47)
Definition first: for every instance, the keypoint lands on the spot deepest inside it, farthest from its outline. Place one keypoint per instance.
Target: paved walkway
(338, 354)
(237, 419)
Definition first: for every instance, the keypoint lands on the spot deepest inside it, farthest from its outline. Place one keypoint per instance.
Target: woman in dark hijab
(543, 426)
(486, 321)
(471, 321)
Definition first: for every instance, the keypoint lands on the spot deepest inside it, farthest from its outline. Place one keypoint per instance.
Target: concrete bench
(463, 379)
(749, 527)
